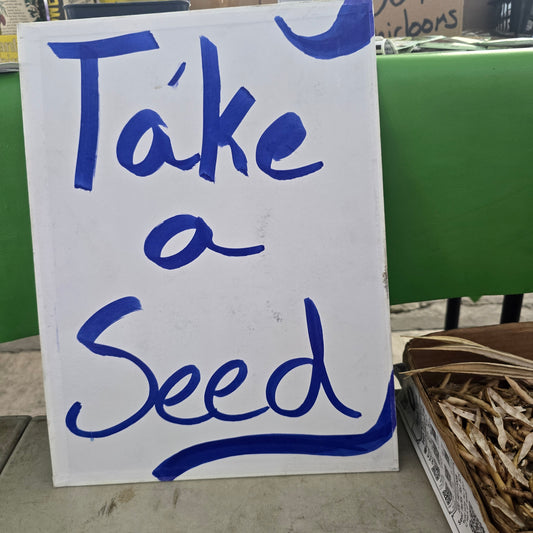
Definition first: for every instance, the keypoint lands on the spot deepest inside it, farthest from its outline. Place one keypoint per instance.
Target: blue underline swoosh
(352, 30)
(301, 444)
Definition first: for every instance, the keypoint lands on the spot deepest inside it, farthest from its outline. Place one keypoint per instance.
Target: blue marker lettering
(160, 149)
(218, 129)
(87, 336)
(319, 375)
(89, 52)
(285, 443)
(280, 140)
(163, 400)
(202, 239)
(212, 391)
(333, 445)
(176, 78)
(352, 30)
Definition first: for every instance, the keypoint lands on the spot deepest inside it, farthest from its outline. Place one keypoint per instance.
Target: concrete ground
(21, 380)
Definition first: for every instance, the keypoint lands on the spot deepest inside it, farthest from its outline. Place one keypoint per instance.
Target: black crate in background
(513, 17)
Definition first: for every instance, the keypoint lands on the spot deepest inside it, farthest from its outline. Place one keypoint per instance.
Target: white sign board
(207, 216)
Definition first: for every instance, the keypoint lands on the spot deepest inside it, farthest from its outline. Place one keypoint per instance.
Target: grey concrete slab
(11, 429)
(28, 344)
(366, 503)
(21, 384)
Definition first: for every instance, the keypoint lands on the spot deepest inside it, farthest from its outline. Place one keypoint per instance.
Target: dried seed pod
(484, 446)
(479, 403)
(512, 435)
(523, 432)
(500, 504)
(502, 434)
(497, 461)
(460, 412)
(481, 442)
(471, 460)
(459, 432)
(520, 494)
(511, 468)
(528, 509)
(456, 401)
(487, 483)
(437, 392)
(466, 386)
(490, 425)
(509, 409)
(477, 421)
(526, 447)
(502, 522)
(519, 390)
(445, 381)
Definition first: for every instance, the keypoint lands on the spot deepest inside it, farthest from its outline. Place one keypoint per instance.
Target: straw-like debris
(491, 416)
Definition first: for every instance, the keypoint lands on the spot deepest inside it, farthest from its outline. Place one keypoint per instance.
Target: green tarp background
(457, 171)
(457, 156)
(18, 308)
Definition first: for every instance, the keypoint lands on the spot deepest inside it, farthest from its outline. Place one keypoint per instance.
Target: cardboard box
(460, 499)
(393, 18)
(418, 18)
(454, 493)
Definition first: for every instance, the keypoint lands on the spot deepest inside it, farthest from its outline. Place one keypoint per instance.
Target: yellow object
(55, 10)
(8, 49)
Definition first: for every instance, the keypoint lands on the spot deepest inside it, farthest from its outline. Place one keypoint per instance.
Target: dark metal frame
(511, 308)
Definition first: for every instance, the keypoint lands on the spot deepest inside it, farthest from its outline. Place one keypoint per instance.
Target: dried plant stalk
(519, 390)
(480, 369)
(479, 349)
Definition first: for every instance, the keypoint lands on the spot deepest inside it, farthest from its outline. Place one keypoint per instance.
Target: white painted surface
(323, 236)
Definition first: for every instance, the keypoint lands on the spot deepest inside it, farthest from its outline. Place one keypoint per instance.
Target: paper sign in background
(219, 358)
(418, 18)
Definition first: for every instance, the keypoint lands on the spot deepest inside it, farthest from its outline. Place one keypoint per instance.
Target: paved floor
(379, 502)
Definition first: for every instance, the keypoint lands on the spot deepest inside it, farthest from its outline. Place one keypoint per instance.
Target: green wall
(457, 170)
